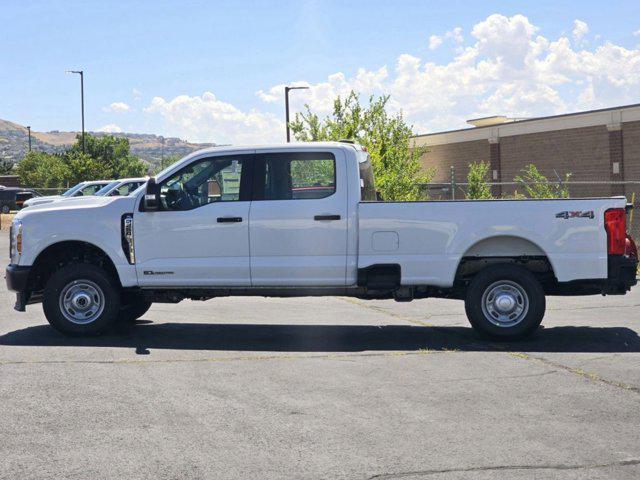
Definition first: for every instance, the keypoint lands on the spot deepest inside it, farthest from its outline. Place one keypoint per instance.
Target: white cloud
(110, 128)
(206, 119)
(504, 66)
(454, 35)
(434, 42)
(580, 29)
(117, 107)
(136, 94)
(636, 33)
(508, 68)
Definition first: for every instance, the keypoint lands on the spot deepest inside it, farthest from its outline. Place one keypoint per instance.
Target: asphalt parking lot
(325, 388)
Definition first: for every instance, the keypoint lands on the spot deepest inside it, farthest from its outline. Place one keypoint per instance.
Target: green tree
(386, 136)
(536, 185)
(39, 169)
(6, 166)
(165, 162)
(106, 158)
(113, 154)
(83, 167)
(478, 179)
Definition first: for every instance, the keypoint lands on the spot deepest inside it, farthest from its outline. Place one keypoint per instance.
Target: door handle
(229, 219)
(319, 218)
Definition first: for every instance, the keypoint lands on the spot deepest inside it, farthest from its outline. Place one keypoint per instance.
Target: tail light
(615, 223)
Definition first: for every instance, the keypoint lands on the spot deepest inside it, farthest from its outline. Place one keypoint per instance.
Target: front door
(200, 234)
(298, 224)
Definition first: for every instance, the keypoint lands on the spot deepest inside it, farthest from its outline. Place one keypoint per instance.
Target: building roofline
(532, 119)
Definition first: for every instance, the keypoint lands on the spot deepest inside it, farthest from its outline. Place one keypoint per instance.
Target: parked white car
(122, 187)
(302, 219)
(80, 190)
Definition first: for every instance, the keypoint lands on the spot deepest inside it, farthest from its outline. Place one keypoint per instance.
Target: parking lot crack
(490, 468)
(593, 377)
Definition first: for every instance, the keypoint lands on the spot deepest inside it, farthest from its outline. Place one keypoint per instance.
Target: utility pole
(161, 153)
(29, 133)
(286, 107)
(81, 73)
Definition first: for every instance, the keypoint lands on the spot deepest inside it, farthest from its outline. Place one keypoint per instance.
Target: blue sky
(211, 71)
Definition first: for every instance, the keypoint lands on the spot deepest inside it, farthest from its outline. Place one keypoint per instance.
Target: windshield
(104, 190)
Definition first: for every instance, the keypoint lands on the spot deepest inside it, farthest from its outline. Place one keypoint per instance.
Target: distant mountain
(14, 143)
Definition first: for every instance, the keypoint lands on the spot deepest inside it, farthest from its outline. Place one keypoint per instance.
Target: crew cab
(303, 219)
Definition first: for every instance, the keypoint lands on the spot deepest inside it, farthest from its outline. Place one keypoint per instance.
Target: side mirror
(152, 196)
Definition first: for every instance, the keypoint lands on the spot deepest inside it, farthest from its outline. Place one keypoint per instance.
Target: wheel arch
(513, 249)
(64, 252)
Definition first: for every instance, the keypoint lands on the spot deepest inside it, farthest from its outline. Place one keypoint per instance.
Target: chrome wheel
(505, 303)
(81, 302)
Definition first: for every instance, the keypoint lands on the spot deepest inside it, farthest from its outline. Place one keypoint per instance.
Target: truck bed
(429, 239)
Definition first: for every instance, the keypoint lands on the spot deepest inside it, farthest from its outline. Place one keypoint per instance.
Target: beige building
(596, 147)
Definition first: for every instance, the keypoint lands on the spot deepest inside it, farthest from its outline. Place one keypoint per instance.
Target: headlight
(15, 240)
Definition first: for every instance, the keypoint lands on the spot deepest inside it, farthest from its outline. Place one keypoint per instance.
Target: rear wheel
(81, 299)
(505, 302)
(5, 209)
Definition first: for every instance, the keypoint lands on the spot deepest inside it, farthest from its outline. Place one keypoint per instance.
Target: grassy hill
(14, 143)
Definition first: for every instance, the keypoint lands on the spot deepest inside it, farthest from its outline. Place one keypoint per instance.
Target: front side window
(296, 176)
(205, 181)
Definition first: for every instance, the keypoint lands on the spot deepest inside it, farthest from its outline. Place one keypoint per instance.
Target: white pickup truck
(302, 219)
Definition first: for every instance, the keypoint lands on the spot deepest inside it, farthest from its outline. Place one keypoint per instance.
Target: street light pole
(286, 107)
(81, 73)
(29, 132)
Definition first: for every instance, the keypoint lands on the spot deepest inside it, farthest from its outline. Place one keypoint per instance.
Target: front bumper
(17, 278)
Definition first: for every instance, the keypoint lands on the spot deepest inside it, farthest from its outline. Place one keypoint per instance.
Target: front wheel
(505, 302)
(133, 309)
(5, 209)
(81, 299)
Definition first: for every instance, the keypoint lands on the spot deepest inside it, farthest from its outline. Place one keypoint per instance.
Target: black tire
(89, 281)
(133, 310)
(5, 209)
(505, 286)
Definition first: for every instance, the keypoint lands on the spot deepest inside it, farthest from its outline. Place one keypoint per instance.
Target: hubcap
(81, 301)
(505, 303)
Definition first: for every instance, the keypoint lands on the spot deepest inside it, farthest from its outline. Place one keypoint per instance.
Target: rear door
(298, 219)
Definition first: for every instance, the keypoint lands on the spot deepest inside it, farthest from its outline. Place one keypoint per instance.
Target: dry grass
(5, 221)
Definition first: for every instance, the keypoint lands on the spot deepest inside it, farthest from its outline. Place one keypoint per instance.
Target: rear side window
(295, 176)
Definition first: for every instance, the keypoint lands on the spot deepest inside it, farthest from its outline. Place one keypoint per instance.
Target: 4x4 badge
(579, 214)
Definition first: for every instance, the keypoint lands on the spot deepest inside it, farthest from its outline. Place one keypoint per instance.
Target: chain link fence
(577, 189)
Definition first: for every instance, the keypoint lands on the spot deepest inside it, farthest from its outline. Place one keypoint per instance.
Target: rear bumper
(622, 274)
(17, 278)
